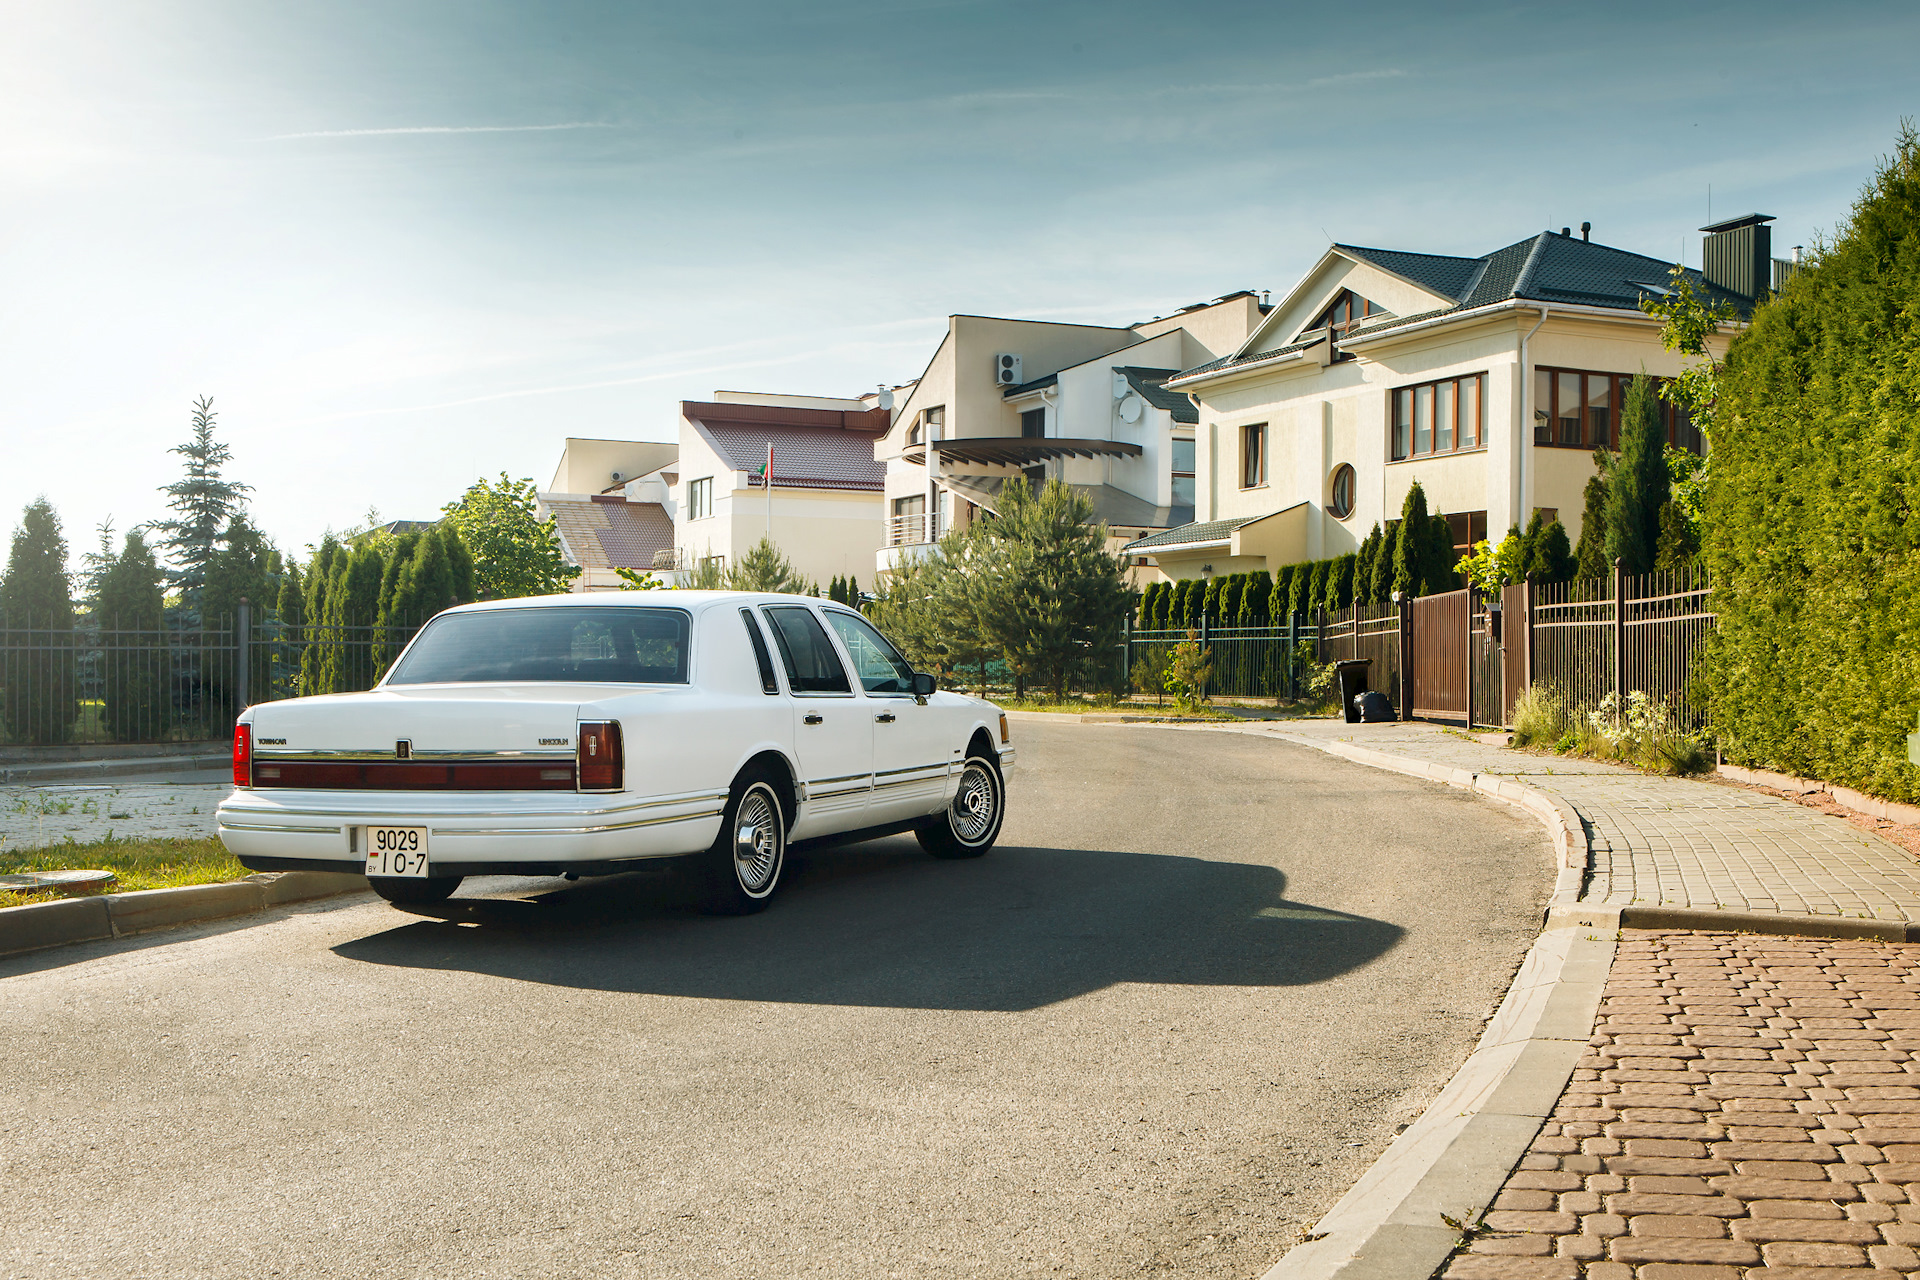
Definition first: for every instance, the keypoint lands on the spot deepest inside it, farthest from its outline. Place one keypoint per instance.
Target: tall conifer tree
(204, 502)
(41, 700)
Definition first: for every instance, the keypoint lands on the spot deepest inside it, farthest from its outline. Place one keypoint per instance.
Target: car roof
(665, 598)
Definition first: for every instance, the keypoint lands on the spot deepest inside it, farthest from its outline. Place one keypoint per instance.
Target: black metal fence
(176, 678)
(1246, 662)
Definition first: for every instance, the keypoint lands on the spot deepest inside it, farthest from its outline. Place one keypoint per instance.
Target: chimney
(1586, 232)
(1566, 233)
(1737, 254)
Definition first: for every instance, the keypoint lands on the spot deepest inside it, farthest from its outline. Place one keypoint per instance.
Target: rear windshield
(587, 644)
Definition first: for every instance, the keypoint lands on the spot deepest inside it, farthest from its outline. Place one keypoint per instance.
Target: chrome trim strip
(845, 777)
(440, 832)
(441, 755)
(916, 768)
(389, 798)
(285, 830)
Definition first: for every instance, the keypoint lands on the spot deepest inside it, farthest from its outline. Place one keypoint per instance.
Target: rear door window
(812, 665)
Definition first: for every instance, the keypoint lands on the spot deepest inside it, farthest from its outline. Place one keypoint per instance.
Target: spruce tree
(203, 501)
(131, 604)
(98, 561)
(35, 597)
(1638, 488)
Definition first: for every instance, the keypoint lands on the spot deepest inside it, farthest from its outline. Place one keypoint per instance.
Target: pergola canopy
(1018, 451)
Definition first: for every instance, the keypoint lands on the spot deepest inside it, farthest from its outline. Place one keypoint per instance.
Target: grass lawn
(136, 864)
(1078, 707)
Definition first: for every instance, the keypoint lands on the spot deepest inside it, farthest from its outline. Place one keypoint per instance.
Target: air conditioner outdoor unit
(1006, 369)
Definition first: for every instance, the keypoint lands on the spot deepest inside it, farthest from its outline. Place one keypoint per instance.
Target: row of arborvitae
(383, 580)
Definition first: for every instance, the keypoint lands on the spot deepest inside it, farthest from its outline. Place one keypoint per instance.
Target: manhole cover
(66, 882)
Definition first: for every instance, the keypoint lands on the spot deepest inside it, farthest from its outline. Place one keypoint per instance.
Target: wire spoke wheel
(975, 804)
(757, 841)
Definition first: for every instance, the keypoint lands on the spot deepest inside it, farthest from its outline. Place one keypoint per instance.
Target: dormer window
(1346, 313)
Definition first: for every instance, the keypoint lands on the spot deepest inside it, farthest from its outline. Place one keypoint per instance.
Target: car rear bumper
(488, 830)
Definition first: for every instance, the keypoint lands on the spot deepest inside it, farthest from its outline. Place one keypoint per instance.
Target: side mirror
(923, 684)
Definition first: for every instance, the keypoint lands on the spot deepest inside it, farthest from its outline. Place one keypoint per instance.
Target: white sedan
(571, 735)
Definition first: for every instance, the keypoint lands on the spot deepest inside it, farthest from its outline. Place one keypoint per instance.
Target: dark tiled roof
(1545, 268)
(1150, 383)
(606, 533)
(1444, 275)
(1183, 535)
(804, 457)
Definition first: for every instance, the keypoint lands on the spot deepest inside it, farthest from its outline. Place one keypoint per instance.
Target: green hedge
(1812, 511)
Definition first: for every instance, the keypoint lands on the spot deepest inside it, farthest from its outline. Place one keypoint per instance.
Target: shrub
(1187, 672)
(1539, 718)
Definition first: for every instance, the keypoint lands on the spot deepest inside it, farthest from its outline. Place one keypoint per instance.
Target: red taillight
(243, 755)
(599, 756)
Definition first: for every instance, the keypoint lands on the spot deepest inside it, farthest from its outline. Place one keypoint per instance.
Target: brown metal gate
(1441, 676)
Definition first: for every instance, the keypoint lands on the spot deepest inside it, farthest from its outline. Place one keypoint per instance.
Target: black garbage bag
(1373, 706)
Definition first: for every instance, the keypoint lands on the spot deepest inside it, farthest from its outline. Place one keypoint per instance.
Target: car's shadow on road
(883, 925)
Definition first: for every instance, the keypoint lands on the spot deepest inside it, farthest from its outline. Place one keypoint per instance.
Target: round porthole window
(1340, 492)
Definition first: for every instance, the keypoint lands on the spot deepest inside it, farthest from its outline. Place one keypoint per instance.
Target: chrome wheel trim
(758, 841)
(976, 804)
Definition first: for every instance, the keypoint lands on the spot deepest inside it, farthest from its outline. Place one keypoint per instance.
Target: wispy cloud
(1349, 77)
(444, 128)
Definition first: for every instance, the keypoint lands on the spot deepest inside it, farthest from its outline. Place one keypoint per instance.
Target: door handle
(813, 717)
(885, 717)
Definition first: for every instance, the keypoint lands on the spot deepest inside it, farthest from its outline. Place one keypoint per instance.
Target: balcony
(907, 530)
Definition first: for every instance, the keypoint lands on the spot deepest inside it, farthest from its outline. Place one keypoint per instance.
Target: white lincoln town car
(578, 735)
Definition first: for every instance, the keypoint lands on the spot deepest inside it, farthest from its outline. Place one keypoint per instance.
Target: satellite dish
(1130, 409)
(886, 399)
(1120, 385)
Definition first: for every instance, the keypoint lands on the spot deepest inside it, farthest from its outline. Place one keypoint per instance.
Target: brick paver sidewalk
(1677, 842)
(1751, 1104)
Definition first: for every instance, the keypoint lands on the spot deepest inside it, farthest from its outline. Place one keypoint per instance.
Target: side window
(812, 665)
(878, 664)
(760, 655)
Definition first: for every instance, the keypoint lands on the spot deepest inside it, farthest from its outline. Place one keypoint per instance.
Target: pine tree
(35, 596)
(204, 504)
(1677, 548)
(763, 568)
(131, 604)
(1591, 556)
(1549, 556)
(1638, 488)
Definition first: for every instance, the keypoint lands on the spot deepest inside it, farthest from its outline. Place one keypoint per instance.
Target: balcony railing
(906, 530)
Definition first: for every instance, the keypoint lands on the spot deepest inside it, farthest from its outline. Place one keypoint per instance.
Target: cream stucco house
(1489, 380)
(1081, 403)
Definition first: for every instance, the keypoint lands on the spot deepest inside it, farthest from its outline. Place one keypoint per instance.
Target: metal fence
(175, 678)
(1247, 662)
(1370, 631)
(1634, 632)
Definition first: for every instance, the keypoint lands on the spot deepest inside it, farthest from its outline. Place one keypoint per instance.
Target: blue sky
(404, 245)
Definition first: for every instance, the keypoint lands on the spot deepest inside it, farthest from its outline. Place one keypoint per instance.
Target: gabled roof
(812, 448)
(1546, 268)
(1151, 384)
(1192, 535)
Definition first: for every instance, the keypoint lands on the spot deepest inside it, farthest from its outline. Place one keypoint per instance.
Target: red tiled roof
(611, 533)
(812, 448)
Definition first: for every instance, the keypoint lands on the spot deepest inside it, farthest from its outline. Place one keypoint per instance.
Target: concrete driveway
(1196, 989)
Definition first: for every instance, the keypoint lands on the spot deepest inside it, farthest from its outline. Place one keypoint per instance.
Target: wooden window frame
(1676, 426)
(1435, 398)
(1253, 461)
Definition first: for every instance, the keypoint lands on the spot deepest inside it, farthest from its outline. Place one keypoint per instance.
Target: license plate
(395, 851)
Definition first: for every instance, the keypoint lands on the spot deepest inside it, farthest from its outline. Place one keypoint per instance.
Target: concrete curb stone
(116, 915)
(18, 775)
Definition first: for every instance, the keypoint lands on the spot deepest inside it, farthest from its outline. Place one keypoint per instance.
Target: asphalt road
(1196, 989)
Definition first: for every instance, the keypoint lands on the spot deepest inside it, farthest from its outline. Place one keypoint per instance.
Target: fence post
(1403, 607)
(1472, 596)
(1293, 644)
(243, 634)
(1619, 636)
(1126, 655)
(1527, 635)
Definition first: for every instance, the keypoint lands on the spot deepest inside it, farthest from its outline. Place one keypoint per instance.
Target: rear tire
(972, 822)
(740, 872)
(403, 892)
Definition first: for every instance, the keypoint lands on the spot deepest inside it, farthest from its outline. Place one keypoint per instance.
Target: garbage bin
(1352, 673)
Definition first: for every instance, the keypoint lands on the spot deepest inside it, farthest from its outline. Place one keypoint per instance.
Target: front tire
(972, 822)
(742, 869)
(402, 892)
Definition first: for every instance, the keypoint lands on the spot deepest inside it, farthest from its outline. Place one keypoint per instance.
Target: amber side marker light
(1005, 737)
(599, 756)
(243, 755)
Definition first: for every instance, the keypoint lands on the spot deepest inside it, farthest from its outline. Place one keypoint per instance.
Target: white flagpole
(768, 481)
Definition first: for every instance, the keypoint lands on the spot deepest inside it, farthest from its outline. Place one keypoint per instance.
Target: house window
(909, 523)
(1340, 492)
(1183, 472)
(1579, 409)
(1468, 528)
(1033, 424)
(700, 498)
(1253, 455)
(1345, 313)
(1438, 417)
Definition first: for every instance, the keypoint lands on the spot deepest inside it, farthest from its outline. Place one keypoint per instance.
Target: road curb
(80, 770)
(40, 925)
